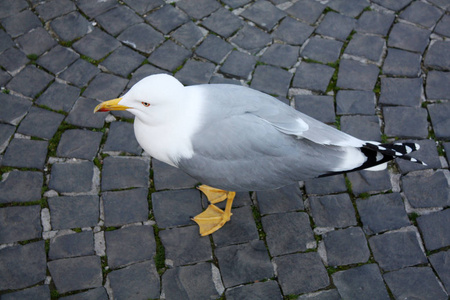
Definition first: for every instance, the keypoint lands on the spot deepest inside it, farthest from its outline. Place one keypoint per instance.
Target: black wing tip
(396, 150)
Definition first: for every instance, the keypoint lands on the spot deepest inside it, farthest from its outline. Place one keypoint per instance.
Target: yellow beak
(110, 105)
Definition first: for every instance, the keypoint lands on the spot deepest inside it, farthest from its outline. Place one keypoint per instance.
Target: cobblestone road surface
(84, 214)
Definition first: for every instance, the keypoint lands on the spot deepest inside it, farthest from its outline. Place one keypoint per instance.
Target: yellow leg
(213, 218)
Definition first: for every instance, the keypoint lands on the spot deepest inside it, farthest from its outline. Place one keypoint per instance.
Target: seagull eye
(145, 104)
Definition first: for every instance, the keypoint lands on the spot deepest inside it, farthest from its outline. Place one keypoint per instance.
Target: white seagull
(233, 138)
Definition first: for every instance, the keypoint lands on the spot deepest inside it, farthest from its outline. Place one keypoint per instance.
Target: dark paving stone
(350, 8)
(401, 91)
(374, 22)
(443, 27)
(395, 5)
(401, 63)
(421, 13)
(366, 46)
(143, 6)
(236, 3)
(271, 80)
(82, 114)
(78, 273)
(40, 122)
(74, 211)
(117, 19)
(297, 234)
(72, 245)
(20, 23)
(71, 26)
(21, 186)
(336, 25)
(11, 7)
(434, 228)
(79, 73)
(447, 150)
(346, 246)
(176, 208)
(195, 72)
(216, 79)
(215, 49)
(238, 64)
(292, 31)
(185, 246)
(190, 282)
(223, 22)
(441, 3)
(13, 108)
(259, 290)
(72, 177)
(408, 37)
(167, 18)
(369, 181)
(357, 76)
(259, 39)
(138, 281)
(20, 223)
(326, 185)
(364, 282)
(188, 35)
(93, 9)
(96, 45)
(441, 263)
(98, 293)
(419, 283)
(314, 77)
(405, 122)
(306, 10)
(301, 273)
(322, 295)
(52, 9)
(37, 41)
(37, 292)
(285, 199)
(396, 250)
(13, 60)
(318, 107)
(5, 41)
(6, 132)
(240, 229)
(382, 212)
(244, 263)
(264, 14)
(22, 266)
(4, 78)
(363, 127)
(141, 37)
(439, 119)
(198, 9)
(30, 81)
(438, 56)
(125, 207)
(124, 172)
(24, 153)
(437, 87)
(105, 86)
(322, 50)
(129, 245)
(59, 96)
(121, 138)
(168, 177)
(426, 190)
(332, 211)
(57, 59)
(280, 55)
(427, 153)
(169, 56)
(355, 102)
(123, 61)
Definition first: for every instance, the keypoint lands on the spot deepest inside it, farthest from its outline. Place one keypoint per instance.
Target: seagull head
(151, 98)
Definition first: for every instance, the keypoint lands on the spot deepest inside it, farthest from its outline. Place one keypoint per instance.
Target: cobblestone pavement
(84, 214)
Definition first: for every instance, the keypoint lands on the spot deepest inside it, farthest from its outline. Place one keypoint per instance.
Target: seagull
(233, 138)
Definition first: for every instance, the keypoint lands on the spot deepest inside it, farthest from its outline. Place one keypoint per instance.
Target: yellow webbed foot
(213, 218)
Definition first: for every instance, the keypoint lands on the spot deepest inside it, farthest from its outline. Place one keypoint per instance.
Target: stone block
(74, 211)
